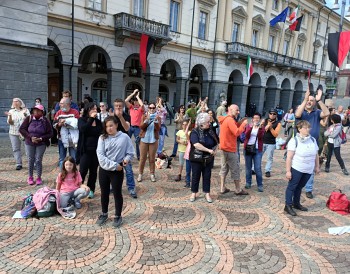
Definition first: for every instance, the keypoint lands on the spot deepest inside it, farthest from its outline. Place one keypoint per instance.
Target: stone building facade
(93, 49)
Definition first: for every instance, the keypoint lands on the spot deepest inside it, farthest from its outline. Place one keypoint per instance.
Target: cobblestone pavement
(164, 233)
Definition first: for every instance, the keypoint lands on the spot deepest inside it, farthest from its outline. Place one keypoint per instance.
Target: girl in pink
(69, 184)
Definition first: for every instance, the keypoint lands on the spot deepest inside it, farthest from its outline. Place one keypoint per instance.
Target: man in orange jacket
(229, 131)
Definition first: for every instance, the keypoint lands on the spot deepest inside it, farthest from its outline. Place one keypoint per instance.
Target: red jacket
(261, 132)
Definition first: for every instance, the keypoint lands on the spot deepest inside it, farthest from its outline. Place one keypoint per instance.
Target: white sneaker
(139, 178)
(153, 178)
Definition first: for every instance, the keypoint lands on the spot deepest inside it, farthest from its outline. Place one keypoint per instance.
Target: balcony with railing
(236, 50)
(127, 25)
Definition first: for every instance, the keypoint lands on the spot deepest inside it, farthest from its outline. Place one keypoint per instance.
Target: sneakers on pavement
(118, 221)
(345, 172)
(132, 193)
(19, 167)
(39, 181)
(91, 194)
(102, 219)
(309, 195)
(77, 204)
(30, 181)
(139, 178)
(268, 174)
(260, 188)
(153, 178)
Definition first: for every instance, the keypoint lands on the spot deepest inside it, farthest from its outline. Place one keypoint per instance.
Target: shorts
(229, 162)
(181, 158)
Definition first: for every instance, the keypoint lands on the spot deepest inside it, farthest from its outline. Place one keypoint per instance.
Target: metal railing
(235, 48)
(125, 21)
(331, 74)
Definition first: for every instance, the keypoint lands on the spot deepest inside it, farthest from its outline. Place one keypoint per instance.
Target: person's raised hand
(319, 95)
(307, 94)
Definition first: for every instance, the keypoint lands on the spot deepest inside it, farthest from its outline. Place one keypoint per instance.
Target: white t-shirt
(305, 155)
(253, 136)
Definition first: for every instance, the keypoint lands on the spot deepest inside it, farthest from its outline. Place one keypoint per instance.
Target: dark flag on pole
(145, 47)
(297, 24)
(338, 47)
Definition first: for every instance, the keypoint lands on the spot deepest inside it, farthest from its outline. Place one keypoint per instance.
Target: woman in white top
(302, 161)
(15, 117)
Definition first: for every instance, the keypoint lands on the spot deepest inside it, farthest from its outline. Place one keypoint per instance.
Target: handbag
(251, 149)
(199, 156)
(339, 203)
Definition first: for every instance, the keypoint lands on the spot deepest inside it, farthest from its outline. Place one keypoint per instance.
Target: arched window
(99, 90)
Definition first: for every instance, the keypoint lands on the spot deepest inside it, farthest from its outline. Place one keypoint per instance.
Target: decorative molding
(210, 3)
(50, 5)
(95, 16)
(239, 12)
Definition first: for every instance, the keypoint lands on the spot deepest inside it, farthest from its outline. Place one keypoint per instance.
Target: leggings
(114, 178)
(336, 150)
(89, 163)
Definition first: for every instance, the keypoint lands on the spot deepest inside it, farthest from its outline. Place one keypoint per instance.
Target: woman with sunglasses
(180, 117)
(149, 134)
(272, 128)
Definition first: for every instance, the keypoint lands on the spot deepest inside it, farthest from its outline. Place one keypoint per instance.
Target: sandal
(225, 191)
(242, 192)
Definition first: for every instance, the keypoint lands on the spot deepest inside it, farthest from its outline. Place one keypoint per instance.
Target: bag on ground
(338, 202)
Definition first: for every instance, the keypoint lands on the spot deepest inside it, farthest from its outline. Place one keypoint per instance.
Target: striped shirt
(18, 117)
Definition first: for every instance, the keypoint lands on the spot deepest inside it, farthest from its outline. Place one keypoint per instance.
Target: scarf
(303, 139)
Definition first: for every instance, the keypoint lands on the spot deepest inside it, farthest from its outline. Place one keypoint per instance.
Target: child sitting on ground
(69, 184)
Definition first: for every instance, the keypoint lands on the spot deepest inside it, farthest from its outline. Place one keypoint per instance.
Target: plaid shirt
(18, 117)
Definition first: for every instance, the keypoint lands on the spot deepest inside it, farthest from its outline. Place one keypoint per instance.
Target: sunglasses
(273, 113)
(151, 107)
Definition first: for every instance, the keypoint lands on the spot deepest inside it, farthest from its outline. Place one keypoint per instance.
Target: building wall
(23, 53)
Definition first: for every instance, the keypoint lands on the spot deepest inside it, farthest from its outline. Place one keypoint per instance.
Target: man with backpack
(308, 111)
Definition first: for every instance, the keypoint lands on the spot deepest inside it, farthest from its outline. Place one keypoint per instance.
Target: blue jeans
(310, 183)
(130, 182)
(269, 149)
(249, 159)
(162, 133)
(295, 185)
(135, 131)
(175, 143)
(188, 171)
(63, 152)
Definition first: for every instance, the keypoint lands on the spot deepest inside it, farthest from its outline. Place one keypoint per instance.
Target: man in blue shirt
(308, 111)
(67, 94)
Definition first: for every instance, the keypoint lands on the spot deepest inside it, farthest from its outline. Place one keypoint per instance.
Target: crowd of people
(99, 143)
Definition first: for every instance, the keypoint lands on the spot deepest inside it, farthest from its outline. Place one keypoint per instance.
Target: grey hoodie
(113, 150)
(334, 132)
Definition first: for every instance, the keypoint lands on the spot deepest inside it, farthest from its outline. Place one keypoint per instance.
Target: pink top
(70, 183)
(135, 114)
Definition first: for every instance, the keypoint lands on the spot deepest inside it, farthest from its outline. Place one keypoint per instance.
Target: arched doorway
(199, 81)
(54, 80)
(99, 91)
(255, 95)
(193, 95)
(236, 91)
(287, 93)
(95, 75)
(272, 95)
(169, 72)
(298, 94)
(130, 87)
(164, 93)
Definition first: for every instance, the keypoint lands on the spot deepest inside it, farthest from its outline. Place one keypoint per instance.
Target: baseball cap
(40, 107)
(273, 110)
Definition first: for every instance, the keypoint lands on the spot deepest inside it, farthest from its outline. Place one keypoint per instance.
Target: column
(221, 20)
(65, 72)
(180, 91)
(228, 21)
(115, 85)
(152, 86)
(249, 23)
(266, 33)
(309, 35)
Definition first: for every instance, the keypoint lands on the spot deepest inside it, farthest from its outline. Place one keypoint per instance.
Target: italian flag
(293, 16)
(250, 69)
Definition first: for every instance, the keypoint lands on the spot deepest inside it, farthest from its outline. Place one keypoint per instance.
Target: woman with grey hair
(204, 143)
(15, 118)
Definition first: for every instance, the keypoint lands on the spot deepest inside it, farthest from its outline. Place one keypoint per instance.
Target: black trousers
(336, 150)
(198, 170)
(114, 178)
(89, 163)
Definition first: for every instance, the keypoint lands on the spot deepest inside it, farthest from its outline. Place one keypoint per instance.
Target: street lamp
(342, 13)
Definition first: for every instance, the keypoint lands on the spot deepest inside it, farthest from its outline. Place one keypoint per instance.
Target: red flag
(338, 47)
(145, 47)
(297, 24)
